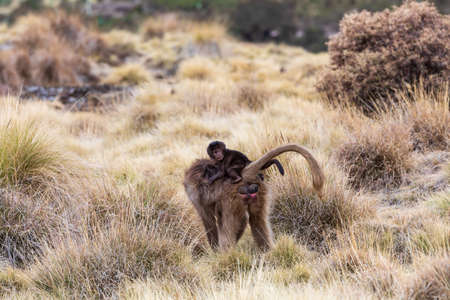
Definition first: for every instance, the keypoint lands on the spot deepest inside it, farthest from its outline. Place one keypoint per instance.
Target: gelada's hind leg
(241, 228)
(260, 225)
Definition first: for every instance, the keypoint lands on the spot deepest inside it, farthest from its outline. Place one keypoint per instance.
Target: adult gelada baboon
(226, 208)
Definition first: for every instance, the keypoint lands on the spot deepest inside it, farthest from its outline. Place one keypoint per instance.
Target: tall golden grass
(92, 203)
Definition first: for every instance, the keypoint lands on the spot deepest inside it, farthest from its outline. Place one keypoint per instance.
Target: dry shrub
(431, 282)
(151, 102)
(379, 154)
(37, 30)
(95, 267)
(35, 180)
(72, 30)
(54, 66)
(376, 54)
(59, 66)
(377, 157)
(425, 113)
(50, 50)
(23, 66)
(299, 212)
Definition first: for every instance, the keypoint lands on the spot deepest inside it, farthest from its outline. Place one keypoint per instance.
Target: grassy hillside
(92, 203)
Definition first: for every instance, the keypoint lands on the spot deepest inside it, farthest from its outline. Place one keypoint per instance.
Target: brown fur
(223, 213)
(230, 163)
(221, 207)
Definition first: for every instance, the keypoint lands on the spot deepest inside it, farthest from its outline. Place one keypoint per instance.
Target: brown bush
(36, 31)
(376, 54)
(56, 68)
(49, 50)
(71, 30)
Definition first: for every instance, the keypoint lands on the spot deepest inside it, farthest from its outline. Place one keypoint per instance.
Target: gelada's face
(218, 154)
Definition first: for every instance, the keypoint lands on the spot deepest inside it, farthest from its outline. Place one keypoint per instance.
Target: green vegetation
(26, 157)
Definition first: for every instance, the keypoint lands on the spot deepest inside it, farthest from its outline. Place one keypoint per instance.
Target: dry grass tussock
(313, 220)
(379, 153)
(30, 157)
(198, 68)
(428, 119)
(130, 74)
(208, 33)
(92, 203)
(374, 161)
(27, 157)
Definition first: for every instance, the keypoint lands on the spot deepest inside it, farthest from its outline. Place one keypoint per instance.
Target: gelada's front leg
(234, 175)
(207, 214)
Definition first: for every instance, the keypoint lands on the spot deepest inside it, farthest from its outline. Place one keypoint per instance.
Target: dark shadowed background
(307, 23)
